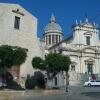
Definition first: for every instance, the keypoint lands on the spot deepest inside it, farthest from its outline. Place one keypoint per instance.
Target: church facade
(83, 47)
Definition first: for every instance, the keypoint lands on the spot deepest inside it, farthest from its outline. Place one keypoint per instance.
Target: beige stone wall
(25, 37)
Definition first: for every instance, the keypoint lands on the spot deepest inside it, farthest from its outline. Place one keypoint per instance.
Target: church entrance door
(90, 68)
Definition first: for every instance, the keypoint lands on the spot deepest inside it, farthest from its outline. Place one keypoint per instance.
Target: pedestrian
(93, 77)
(90, 78)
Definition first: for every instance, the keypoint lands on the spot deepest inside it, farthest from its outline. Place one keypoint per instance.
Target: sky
(65, 11)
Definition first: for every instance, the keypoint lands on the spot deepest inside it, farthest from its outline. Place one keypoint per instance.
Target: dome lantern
(53, 19)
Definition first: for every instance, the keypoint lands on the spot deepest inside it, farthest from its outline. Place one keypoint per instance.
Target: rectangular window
(17, 22)
(87, 40)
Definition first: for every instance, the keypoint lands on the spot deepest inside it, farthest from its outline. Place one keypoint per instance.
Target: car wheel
(89, 84)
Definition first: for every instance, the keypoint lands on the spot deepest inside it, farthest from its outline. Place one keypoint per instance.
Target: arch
(89, 60)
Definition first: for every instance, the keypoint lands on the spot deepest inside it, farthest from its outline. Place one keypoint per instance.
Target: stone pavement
(83, 93)
(44, 92)
(13, 95)
(75, 93)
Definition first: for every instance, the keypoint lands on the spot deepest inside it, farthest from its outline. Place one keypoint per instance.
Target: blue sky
(66, 11)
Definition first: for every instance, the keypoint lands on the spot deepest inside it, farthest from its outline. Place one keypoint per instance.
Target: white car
(92, 83)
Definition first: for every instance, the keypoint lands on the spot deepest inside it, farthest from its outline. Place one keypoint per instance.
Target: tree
(53, 64)
(40, 79)
(66, 62)
(38, 63)
(30, 83)
(56, 63)
(9, 56)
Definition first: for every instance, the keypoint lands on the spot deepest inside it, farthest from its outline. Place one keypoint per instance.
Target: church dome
(52, 26)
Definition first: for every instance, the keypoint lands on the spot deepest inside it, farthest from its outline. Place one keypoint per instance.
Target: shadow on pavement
(91, 94)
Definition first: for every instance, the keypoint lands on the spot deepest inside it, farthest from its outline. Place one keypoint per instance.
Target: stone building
(83, 47)
(19, 28)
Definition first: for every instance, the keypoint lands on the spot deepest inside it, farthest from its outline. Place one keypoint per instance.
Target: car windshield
(92, 81)
(97, 81)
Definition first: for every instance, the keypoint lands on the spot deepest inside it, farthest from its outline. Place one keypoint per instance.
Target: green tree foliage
(57, 62)
(53, 64)
(40, 79)
(10, 55)
(29, 83)
(6, 56)
(38, 63)
(19, 55)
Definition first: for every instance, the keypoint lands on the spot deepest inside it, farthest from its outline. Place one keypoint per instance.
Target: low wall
(10, 95)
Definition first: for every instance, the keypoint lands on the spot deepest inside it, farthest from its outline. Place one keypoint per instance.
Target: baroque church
(83, 47)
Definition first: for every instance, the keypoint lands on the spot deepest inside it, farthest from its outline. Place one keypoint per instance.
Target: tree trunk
(67, 81)
(15, 71)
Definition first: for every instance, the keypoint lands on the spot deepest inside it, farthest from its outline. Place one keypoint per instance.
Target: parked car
(92, 83)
